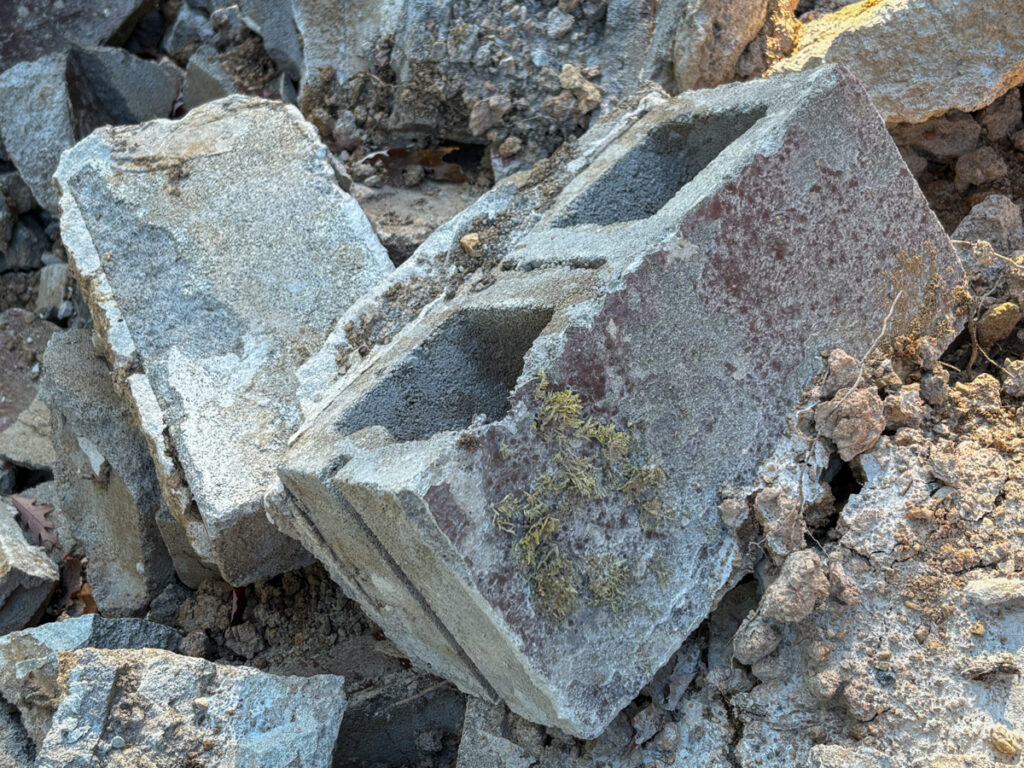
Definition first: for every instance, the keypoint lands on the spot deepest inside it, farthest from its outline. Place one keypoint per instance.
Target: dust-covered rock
(152, 707)
(145, 214)
(903, 51)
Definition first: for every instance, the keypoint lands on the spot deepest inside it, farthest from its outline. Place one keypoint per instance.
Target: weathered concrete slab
(151, 707)
(48, 104)
(920, 58)
(27, 577)
(104, 477)
(215, 253)
(524, 480)
(22, 652)
(32, 28)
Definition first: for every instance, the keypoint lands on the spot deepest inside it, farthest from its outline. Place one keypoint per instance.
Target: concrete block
(523, 477)
(215, 253)
(48, 104)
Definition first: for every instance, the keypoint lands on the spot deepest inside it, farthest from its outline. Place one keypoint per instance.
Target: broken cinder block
(521, 487)
(215, 252)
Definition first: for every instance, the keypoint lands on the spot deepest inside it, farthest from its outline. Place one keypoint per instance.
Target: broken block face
(105, 480)
(215, 252)
(27, 577)
(49, 104)
(539, 462)
(125, 708)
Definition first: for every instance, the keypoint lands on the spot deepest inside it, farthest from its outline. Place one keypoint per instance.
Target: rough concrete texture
(23, 652)
(205, 350)
(30, 29)
(484, 739)
(151, 707)
(523, 492)
(900, 51)
(27, 577)
(487, 71)
(105, 480)
(49, 104)
(23, 338)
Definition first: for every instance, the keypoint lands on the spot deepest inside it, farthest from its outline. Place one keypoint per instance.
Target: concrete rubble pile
(468, 384)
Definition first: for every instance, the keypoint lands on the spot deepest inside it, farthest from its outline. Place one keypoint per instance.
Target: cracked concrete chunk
(523, 493)
(215, 253)
(31, 28)
(104, 477)
(49, 104)
(920, 58)
(21, 652)
(27, 577)
(126, 708)
(485, 742)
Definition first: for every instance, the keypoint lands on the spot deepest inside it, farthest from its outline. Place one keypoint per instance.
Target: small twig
(421, 694)
(972, 328)
(874, 344)
(994, 363)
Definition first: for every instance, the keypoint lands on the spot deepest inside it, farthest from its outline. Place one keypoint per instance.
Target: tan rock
(800, 584)
(1002, 117)
(920, 58)
(945, 137)
(754, 640)
(853, 420)
(904, 408)
(588, 97)
(998, 323)
(710, 39)
(979, 167)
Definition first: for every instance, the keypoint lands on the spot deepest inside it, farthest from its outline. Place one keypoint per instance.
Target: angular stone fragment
(945, 137)
(996, 219)
(32, 28)
(920, 58)
(49, 104)
(1002, 117)
(189, 29)
(710, 38)
(25, 249)
(485, 742)
(521, 485)
(206, 79)
(215, 252)
(122, 708)
(23, 339)
(27, 442)
(104, 477)
(22, 652)
(27, 577)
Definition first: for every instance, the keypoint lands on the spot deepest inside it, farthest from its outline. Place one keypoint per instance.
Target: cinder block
(533, 464)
